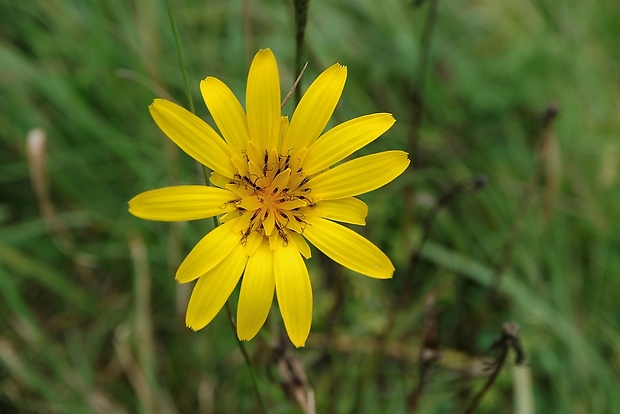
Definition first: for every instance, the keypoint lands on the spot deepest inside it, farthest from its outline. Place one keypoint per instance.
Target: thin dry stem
(547, 121)
(294, 87)
(509, 338)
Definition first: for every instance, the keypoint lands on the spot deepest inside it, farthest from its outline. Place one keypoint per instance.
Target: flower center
(274, 194)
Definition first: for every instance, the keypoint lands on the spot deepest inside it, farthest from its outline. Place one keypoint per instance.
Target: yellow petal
(276, 241)
(250, 203)
(241, 165)
(244, 222)
(348, 248)
(294, 293)
(213, 289)
(281, 180)
(316, 107)
(263, 100)
(219, 180)
(256, 173)
(229, 216)
(283, 139)
(291, 204)
(193, 135)
(256, 295)
(359, 176)
(269, 222)
(238, 190)
(253, 154)
(291, 222)
(252, 242)
(301, 244)
(181, 203)
(226, 112)
(209, 252)
(344, 139)
(347, 210)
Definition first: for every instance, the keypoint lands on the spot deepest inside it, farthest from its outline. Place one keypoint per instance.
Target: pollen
(273, 189)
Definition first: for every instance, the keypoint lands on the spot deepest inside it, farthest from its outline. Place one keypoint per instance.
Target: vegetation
(509, 211)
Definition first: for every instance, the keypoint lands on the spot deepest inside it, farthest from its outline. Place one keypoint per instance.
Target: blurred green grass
(92, 318)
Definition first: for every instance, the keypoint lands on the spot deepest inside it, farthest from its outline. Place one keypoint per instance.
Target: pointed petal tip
(209, 80)
(264, 51)
(387, 270)
(383, 276)
(181, 277)
(178, 278)
(389, 273)
(156, 102)
(386, 117)
(343, 70)
(299, 341)
(264, 54)
(337, 68)
(191, 326)
(245, 334)
(403, 155)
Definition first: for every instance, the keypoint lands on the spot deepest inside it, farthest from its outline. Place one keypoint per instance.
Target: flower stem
(205, 171)
(301, 18)
(246, 357)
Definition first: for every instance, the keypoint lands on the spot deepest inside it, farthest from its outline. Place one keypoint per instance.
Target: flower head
(273, 190)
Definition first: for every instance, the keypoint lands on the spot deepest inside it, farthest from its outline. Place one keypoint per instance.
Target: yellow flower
(273, 190)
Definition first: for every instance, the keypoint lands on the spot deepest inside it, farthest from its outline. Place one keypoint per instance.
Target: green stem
(215, 221)
(301, 18)
(175, 33)
(246, 358)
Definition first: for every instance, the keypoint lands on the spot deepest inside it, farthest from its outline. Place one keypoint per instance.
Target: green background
(91, 319)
